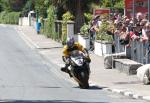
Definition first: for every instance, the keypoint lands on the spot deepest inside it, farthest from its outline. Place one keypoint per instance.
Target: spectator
(95, 23)
(135, 35)
(146, 32)
(124, 36)
(139, 16)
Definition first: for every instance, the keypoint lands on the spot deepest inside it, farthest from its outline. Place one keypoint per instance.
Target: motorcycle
(79, 68)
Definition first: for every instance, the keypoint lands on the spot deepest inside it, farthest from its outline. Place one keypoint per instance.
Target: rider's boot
(65, 69)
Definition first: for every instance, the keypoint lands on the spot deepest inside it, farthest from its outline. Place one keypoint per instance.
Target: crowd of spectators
(128, 29)
(125, 28)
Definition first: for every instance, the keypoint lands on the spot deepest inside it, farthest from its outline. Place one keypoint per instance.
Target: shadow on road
(93, 87)
(46, 101)
(51, 47)
(130, 82)
(96, 87)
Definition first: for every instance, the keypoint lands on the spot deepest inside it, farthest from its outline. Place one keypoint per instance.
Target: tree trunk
(79, 18)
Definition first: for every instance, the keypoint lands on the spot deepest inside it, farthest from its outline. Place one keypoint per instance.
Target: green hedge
(9, 17)
(48, 25)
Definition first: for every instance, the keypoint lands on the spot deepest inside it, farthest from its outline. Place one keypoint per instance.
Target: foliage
(106, 3)
(28, 7)
(9, 11)
(50, 23)
(120, 4)
(102, 35)
(84, 30)
(9, 17)
(117, 4)
(12, 5)
(75, 7)
(6, 5)
(88, 17)
(94, 6)
(41, 8)
(1, 5)
(66, 17)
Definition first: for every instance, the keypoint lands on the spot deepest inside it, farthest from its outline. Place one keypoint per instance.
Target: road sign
(101, 11)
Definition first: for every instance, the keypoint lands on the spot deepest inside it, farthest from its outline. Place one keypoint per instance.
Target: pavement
(111, 79)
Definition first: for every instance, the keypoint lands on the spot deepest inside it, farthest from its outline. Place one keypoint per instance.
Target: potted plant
(83, 36)
(103, 43)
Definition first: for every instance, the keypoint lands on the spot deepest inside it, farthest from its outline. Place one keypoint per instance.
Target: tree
(12, 5)
(40, 7)
(116, 4)
(0, 5)
(120, 4)
(28, 7)
(76, 7)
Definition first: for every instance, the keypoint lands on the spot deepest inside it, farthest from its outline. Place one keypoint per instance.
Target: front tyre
(85, 86)
(84, 77)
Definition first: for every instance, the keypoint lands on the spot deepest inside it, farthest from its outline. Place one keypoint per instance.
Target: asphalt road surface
(26, 77)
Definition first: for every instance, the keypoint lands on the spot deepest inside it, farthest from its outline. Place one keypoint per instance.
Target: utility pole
(133, 6)
(149, 10)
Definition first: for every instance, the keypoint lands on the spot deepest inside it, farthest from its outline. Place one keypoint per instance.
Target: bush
(103, 32)
(49, 24)
(66, 17)
(84, 30)
(88, 17)
(9, 17)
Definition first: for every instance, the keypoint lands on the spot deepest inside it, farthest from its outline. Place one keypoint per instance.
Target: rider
(70, 46)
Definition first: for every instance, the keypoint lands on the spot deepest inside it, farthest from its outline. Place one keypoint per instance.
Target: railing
(118, 47)
(138, 51)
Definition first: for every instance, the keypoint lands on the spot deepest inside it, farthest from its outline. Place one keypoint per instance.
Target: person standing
(94, 27)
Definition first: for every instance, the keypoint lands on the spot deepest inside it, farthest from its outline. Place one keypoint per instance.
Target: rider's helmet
(70, 42)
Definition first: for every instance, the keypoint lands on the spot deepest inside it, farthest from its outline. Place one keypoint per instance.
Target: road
(27, 77)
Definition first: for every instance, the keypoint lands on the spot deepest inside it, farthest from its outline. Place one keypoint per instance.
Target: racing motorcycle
(79, 68)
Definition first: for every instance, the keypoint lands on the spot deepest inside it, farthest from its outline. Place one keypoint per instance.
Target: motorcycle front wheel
(84, 77)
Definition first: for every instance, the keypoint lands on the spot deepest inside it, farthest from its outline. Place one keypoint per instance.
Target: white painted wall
(24, 21)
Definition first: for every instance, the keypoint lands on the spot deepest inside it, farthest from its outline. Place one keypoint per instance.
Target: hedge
(9, 17)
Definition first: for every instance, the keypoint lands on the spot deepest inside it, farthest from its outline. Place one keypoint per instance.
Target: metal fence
(118, 47)
(138, 51)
